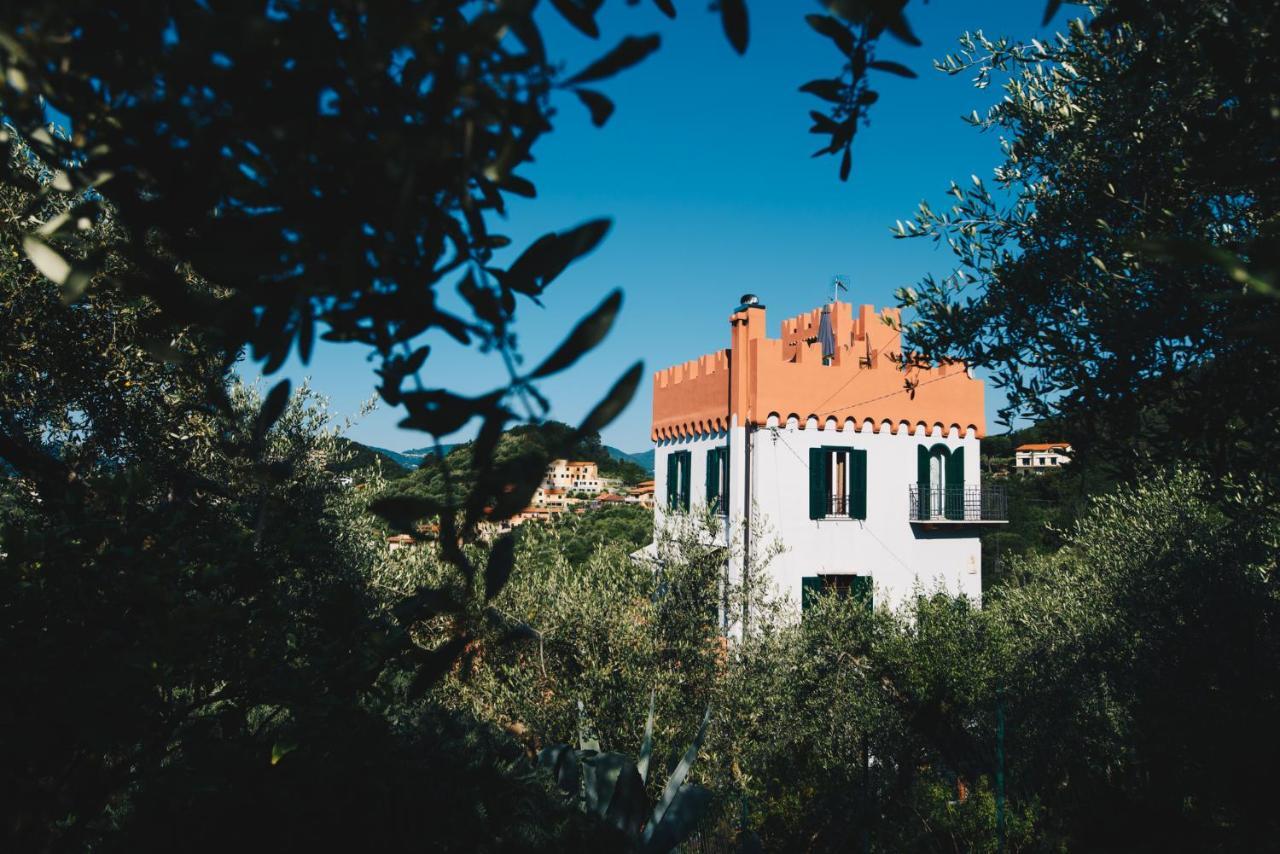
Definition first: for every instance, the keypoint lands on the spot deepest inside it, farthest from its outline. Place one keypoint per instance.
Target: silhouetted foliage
(1122, 276)
(269, 169)
(207, 645)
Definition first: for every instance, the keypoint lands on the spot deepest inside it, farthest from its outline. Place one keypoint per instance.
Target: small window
(837, 483)
(843, 585)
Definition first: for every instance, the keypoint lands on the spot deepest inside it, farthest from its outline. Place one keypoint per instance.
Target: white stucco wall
(886, 546)
(698, 448)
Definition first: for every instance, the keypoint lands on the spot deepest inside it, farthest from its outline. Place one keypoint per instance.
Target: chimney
(746, 324)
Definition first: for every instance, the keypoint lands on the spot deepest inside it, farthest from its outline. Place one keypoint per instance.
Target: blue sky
(705, 170)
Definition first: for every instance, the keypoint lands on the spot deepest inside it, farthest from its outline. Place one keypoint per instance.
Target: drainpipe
(746, 323)
(746, 525)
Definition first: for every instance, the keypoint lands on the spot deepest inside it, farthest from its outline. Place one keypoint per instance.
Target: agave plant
(612, 787)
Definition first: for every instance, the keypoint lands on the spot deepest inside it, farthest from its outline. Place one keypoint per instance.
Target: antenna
(839, 282)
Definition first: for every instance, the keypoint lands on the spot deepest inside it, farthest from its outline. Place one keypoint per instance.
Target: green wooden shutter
(810, 588)
(672, 478)
(860, 588)
(922, 479)
(722, 470)
(817, 483)
(686, 471)
(858, 484)
(955, 484)
(713, 478)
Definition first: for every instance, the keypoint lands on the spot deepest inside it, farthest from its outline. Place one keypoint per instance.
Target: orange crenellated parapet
(787, 378)
(692, 398)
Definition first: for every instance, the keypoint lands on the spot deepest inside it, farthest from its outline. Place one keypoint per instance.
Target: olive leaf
(597, 104)
(614, 402)
(733, 17)
(629, 51)
(272, 408)
(589, 332)
(892, 67)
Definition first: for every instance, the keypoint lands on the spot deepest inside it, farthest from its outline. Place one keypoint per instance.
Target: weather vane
(839, 282)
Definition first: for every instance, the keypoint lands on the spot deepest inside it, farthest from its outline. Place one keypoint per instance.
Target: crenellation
(863, 380)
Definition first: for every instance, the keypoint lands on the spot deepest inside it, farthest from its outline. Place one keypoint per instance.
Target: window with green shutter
(940, 482)
(686, 472)
(810, 589)
(857, 484)
(837, 483)
(679, 465)
(718, 479)
(673, 479)
(843, 585)
(817, 484)
(860, 588)
(954, 474)
(922, 482)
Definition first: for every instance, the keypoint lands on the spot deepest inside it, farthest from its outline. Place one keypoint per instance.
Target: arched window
(940, 482)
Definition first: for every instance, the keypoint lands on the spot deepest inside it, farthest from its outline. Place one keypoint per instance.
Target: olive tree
(1121, 271)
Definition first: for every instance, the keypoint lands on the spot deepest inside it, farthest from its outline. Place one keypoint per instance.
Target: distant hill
(644, 459)
(365, 457)
(413, 457)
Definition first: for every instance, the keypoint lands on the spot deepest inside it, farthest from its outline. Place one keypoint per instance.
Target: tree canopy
(1121, 273)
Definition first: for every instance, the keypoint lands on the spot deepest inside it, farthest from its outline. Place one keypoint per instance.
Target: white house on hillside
(867, 475)
(1044, 456)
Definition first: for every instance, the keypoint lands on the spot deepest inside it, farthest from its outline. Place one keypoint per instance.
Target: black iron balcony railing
(837, 505)
(958, 504)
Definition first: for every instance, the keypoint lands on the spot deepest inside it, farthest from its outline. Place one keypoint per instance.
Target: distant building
(610, 499)
(551, 498)
(574, 476)
(541, 514)
(1043, 456)
(642, 494)
(395, 542)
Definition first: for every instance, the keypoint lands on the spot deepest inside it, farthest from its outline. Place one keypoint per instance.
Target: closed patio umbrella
(826, 337)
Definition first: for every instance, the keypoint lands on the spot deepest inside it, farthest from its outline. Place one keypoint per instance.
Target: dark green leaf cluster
(855, 27)
(1122, 689)
(1121, 273)
(195, 654)
(317, 165)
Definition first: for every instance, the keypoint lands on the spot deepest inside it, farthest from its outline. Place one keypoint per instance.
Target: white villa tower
(866, 474)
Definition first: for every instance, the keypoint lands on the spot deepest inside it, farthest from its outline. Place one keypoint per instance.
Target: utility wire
(849, 381)
(895, 393)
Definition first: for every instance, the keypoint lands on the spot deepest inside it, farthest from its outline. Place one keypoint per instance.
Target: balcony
(957, 505)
